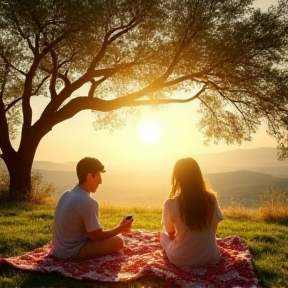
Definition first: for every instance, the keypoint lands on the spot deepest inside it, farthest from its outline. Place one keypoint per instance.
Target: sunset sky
(76, 138)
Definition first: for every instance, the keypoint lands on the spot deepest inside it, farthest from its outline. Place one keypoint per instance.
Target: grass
(25, 227)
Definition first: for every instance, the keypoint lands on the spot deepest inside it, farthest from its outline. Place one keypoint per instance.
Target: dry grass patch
(273, 206)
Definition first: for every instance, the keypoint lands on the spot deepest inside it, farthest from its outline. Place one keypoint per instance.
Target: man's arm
(100, 234)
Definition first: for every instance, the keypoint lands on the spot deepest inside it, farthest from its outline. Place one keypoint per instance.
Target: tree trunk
(20, 180)
(19, 167)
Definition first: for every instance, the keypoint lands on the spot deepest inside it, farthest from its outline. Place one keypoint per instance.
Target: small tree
(135, 52)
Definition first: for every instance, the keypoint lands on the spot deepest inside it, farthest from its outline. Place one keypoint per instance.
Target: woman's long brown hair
(196, 202)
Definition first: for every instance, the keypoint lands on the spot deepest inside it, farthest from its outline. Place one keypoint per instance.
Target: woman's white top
(189, 248)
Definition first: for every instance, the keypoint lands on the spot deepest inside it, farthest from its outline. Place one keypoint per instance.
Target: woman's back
(192, 248)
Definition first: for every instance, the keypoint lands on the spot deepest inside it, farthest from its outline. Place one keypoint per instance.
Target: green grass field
(25, 227)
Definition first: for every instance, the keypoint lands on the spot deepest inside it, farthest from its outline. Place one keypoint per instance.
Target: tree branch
(52, 85)
(209, 108)
(5, 144)
(50, 45)
(40, 85)
(22, 34)
(67, 60)
(12, 103)
(64, 78)
(59, 75)
(123, 29)
(85, 78)
(154, 102)
(4, 81)
(84, 103)
(230, 100)
(11, 65)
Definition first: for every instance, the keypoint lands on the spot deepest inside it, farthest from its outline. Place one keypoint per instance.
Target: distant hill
(53, 166)
(262, 160)
(152, 187)
(244, 186)
(241, 174)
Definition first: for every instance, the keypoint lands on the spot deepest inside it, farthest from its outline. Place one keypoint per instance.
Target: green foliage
(126, 54)
(41, 192)
(4, 183)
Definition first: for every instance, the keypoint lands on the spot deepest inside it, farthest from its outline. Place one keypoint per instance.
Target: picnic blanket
(144, 256)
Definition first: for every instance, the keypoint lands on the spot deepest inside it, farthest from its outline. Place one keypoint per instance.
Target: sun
(150, 131)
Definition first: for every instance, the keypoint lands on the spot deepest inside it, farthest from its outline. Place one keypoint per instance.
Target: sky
(76, 138)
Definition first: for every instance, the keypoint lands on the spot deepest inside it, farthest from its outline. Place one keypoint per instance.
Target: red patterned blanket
(143, 256)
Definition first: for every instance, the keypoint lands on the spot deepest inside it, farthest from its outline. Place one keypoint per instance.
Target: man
(77, 234)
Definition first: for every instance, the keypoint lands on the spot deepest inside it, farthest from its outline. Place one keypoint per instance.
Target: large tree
(130, 53)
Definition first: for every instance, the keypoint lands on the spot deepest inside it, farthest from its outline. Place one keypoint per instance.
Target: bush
(41, 193)
(4, 182)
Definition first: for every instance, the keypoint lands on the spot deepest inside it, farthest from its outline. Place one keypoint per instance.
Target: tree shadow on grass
(266, 277)
(12, 278)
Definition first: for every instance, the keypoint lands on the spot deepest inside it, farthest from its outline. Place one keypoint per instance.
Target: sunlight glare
(150, 131)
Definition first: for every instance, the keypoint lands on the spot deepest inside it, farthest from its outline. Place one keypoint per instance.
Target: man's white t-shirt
(76, 214)
(189, 248)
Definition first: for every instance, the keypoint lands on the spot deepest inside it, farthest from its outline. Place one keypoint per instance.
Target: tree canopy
(226, 54)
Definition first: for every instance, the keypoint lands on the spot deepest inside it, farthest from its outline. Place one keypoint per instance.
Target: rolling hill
(152, 187)
(240, 174)
(263, 160)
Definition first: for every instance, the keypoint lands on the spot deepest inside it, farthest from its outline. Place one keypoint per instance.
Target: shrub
(41, 193)
(4, 182)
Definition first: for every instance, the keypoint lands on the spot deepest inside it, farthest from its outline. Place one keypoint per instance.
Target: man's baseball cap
(89, 165)
(99, 166)
(96, 164)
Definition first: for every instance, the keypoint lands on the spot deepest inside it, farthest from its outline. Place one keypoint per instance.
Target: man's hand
(126, 225)
(123, 227)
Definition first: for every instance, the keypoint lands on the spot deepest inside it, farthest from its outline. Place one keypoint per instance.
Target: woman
(190, 218)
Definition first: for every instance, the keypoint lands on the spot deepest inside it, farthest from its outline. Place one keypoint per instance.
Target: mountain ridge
(146, 187)
(241, 174)
(262, 160)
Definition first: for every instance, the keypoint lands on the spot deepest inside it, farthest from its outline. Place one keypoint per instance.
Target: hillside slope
(147, 187)
(244, 186)
(242, 174)
(262, 160)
